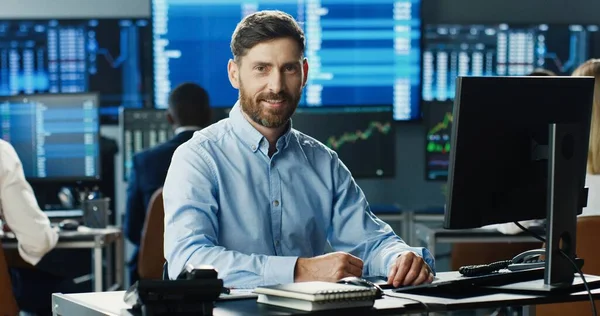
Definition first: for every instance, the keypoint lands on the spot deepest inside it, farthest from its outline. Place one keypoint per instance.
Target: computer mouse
(362, 282)
(68, 224)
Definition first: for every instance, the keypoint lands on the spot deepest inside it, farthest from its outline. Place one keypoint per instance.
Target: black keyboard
(469, 286)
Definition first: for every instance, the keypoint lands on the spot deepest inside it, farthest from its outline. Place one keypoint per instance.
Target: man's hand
(330, 267)
(409, 269)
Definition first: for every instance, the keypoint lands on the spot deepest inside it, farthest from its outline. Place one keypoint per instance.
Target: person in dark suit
(188, 111)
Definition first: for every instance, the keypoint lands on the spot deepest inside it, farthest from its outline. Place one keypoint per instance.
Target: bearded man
(259, 200)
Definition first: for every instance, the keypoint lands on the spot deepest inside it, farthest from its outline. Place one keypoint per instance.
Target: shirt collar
(249, 134)
(244, 129)
(182, 129)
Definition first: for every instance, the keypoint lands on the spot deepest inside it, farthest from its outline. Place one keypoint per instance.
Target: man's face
(270, 78)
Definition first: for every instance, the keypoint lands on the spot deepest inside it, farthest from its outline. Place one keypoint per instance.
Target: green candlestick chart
(350, 137)
(436, 142)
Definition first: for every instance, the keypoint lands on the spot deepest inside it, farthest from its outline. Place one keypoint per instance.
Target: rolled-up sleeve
(356, 230)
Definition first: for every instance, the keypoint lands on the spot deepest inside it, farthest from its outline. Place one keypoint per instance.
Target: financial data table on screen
(438, 126)
(142, 129)
(364, 138)
(55, 137)
(360, 52)
(501, 50)
(146, 128)
(109, 56)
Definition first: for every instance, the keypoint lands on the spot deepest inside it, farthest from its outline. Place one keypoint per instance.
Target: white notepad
(316, 295)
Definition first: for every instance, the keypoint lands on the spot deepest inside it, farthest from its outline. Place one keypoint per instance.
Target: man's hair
(189, 105)
(264, 26)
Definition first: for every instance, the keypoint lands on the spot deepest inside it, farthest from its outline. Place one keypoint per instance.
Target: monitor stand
(564, 202)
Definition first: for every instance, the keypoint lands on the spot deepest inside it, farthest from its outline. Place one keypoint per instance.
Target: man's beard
(268, 117)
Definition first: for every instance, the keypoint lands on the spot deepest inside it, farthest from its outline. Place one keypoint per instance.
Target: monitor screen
(508, 168)
(438, 124)
(501, 50)
(110, 56)
(56, 136)
(360, 52)
(363, 138)
(142, 129)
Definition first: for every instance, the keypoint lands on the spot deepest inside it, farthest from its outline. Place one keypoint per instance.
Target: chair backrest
(588, 234)
(151, 257)
(8, 304)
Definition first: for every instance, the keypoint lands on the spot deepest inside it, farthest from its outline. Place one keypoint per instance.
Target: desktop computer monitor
(452, 50)
(56, 136)
(363, 138)
(142, 129)
(519, 152)
(112, 57)
(437, 117)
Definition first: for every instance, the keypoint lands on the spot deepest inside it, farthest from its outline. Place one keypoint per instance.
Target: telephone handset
(527, 260)
(532, 259)
(191, 272)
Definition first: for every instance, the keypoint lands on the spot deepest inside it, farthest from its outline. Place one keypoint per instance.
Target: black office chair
(165, 274)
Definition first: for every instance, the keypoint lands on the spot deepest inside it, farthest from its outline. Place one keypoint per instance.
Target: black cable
(411, 299)
(587, 288)
(534, 234)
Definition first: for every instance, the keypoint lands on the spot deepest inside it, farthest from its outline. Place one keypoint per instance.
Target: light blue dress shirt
(229, 205)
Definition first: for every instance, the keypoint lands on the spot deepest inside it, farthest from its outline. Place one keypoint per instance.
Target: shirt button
(253, 147)
(276, 203)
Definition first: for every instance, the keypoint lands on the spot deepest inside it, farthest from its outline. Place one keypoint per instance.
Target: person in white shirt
(20, 212)
(592, 180)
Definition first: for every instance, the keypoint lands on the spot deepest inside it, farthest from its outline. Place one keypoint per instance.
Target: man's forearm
(238, 270)
(382, 256)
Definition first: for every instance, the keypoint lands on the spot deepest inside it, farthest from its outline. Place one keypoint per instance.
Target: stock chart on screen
(110, 56)
(363, 137)
(438, 124)
(360, 52)
(501, 50)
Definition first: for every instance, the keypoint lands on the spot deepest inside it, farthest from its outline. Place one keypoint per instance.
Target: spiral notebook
(316, 295)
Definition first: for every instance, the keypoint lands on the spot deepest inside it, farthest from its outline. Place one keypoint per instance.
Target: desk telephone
(526, 260)
(194, 291)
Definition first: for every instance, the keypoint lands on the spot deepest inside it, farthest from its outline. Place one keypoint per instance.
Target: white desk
(95, 239)
(111, 303)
